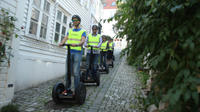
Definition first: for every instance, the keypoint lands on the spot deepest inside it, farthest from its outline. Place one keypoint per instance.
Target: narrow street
(115, 93)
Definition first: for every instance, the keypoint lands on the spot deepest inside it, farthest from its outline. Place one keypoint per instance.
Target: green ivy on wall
(7, 30)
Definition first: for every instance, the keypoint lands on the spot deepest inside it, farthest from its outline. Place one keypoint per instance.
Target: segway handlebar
(91, 45)
(70, 45)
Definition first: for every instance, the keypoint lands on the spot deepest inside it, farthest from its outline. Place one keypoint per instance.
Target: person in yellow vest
(95, 40)
(103, 53)
(76, 37)
(110, 56)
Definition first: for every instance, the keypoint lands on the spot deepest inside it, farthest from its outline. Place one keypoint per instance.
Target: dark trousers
(103, 59)
(93, 69)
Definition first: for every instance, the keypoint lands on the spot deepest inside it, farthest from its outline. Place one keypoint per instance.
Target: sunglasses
(94, 29)
(74, 20)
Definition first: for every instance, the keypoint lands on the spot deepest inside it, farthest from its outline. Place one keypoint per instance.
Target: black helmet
(77, 17)
(94, 26)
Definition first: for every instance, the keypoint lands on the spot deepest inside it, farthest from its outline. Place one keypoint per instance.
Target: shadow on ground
(51, 105)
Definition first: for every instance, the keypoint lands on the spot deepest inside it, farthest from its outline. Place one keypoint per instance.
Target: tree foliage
(165, 34)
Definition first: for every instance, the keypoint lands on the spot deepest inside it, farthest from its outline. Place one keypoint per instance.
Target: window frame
(39, 23)
(64, 14)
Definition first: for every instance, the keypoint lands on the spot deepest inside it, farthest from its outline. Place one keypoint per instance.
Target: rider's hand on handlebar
(60, 44)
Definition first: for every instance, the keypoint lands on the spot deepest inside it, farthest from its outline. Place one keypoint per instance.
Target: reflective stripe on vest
(110, 45)
(93, 40)
(74, 37)
(103, 46)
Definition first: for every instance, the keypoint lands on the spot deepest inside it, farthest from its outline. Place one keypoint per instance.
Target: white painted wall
(35, 60)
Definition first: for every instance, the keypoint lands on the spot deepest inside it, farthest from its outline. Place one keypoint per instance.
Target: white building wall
(35, 60)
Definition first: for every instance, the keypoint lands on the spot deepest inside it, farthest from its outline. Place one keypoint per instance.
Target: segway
(59, 88)
(103, 70)
(111, 65)
(112, 59)
(94, 79)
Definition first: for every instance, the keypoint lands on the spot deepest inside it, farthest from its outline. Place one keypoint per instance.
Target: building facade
(43, 24)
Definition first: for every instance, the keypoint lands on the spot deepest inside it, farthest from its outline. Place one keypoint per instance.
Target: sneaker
(70, 92)
(67, 92)
(64, 92)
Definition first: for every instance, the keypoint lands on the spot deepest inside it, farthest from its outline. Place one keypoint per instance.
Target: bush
(143, 77)
(9, 108)
(164, 34)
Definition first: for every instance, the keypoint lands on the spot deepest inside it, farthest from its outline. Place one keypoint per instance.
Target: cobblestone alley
(115, 94)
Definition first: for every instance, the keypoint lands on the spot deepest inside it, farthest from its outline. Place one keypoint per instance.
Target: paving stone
(30, 110)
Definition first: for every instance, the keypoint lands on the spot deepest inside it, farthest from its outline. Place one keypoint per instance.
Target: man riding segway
(103, 56)
(75, 39)
(110, 57)
(93, 43)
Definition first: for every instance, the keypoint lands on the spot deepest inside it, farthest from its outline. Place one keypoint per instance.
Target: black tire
(57, 89)
(107, 70)
(80, 93)
(112, 64)
(97, 67)
(98, 78)
(83, 76)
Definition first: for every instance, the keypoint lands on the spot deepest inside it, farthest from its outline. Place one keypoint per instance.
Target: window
(61, 27)
(39, 18)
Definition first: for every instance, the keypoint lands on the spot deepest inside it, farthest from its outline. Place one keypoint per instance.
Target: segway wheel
(112, 64)
(83, 76)
(97, 67)
(107, 70)
(98, 79)
(80, 93)
(57, 89)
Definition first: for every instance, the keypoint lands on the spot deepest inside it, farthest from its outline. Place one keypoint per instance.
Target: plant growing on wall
(165, 35)
(7, 30)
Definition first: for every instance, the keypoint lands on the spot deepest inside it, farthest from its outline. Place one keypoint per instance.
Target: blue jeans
(103, 59)
(76, 58)
(93, 70)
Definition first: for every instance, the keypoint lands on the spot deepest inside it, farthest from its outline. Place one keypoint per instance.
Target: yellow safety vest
(110, 45)
(74, 37)
(93, 40)
(104, 45)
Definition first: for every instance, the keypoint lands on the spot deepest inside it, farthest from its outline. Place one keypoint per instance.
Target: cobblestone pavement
(115, 94)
